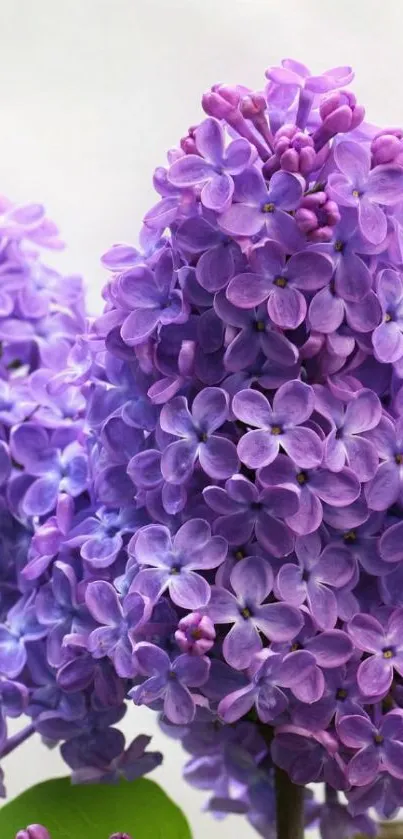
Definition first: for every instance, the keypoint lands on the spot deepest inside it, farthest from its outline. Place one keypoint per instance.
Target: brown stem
(289, 807)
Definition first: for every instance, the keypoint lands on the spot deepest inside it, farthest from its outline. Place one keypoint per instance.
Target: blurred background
(93, 92)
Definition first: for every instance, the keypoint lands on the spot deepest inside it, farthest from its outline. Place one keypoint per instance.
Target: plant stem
(17, 739)
(289, 807)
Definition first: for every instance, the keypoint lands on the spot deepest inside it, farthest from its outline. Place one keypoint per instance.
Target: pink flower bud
(387, 147)
(33, 831)
(195, 634)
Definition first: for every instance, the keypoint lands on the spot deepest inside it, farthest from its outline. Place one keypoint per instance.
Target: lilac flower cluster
(251, 417)
(45, 495)
(37, 831)
(219, 536)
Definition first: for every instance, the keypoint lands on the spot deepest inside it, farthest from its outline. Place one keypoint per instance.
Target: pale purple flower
(386, 486)
(345, 445)
(385, 645)
(151, 298)
(378, 748)
(174, 562)
(244, 511)
(216, 453)
(256, 205)
(252, 582)
(282, 283)
(359, 186)
(315, 487)
(213, 166)
(120, 621)
(314, 578)
(388, 336)
(22, 626)
(169, 681)
(277, 426)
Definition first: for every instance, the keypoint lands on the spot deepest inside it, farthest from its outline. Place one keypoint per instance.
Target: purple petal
(152, 660)
(274, 535)
(241, 220)
(388, 342)
(191, 670)
(139, 325)
(252, 408)
(293, 403)
(356, 731)
(364, 766)
(391, 543)
(372, 221)
(384, 488)
(353, 160)
(385, 184)
(236, 704)
(217, 192)
(215, 268)
(287, 307)
(365, 315)
(367, 633)
(309, 515)
(189, 590)
(237, 156)
(353, 279)
(209, 136)
(285, 190)
(178, 460)
(337, 488)
(153, 545)
(218, 457)
(322, 604)
(248, 290)
(331, 648)
(41, 496)
(252, 579)
(190, 169)
(290, 585)
(393, 758)
(103, 603)
(309, 270)
(210, 408)
(375, 676)
(223, 606)
(258, 448)
(303, 446)
(279, 621)
(241, 644)
(326, 311)
(362, 457)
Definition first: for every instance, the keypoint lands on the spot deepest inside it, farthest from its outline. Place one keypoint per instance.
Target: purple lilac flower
(387, 337)
(315, 487)
(21, 627)
(252, 582)
(358, 186)
(212, 166)
(386, 486)
(378, 747)
(277, 426)
(216, 454)
(169, 681)
(244, 511)
(280, 283)
(345, 444)
(256, 206)
(314, 578)
(33, 831)
(174, 562)
(116, 637)
(385, 646)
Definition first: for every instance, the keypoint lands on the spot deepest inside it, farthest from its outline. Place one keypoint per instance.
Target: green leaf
(141, 809)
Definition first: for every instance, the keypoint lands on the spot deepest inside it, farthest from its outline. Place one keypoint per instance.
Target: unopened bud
(34, 831)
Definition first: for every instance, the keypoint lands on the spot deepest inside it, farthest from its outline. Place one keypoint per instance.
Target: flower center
(378, 739)
(203, 437)
(350, 536)
(260, 326)
(388, 653)
(196, 634)
(268, 207)
(246, 613)
(239, 554)
(341, 694)
(399, 459)
(356, 193)
(302, 478)
(175, 569)
(388, 317)
(276, 430)
(281, 282)
(296, 646)
(339, 246)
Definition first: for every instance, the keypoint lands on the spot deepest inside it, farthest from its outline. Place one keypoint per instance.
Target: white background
(92, 93)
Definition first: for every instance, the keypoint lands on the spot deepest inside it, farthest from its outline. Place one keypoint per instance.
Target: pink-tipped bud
(387, 147)
(120, 836)
(252, 105)
(33, 831)
(195, 634)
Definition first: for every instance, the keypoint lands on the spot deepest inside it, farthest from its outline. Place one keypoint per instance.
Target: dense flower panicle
(213, 473)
